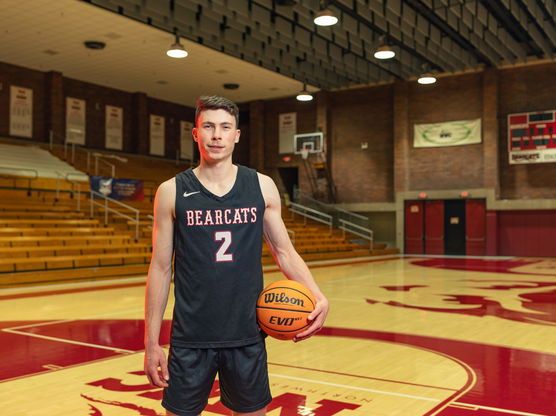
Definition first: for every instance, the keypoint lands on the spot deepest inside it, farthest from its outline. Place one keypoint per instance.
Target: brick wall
(356, 117)
(26, 78)
(450, 99)
(525, 89)
(96, 98)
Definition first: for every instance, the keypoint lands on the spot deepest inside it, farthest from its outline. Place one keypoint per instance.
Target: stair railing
(352, 228)
(311, 213)
(107, 209)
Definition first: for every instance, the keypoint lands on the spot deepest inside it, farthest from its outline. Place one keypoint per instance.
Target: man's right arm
(158, 282)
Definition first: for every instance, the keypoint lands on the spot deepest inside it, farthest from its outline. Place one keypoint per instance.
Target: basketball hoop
(304, 153)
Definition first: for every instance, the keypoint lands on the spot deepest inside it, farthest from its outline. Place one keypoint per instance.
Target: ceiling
(270, 47)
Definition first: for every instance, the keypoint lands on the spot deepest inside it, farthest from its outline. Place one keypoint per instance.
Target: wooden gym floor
(406, 336)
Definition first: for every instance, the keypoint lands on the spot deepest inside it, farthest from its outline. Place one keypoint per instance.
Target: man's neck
(217, 177)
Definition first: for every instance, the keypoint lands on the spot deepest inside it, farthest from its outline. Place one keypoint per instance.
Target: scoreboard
(532, 137)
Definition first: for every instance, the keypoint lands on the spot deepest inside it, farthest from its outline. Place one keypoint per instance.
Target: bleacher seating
(46, 236)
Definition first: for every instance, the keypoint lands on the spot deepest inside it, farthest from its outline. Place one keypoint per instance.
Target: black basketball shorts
(242, 373)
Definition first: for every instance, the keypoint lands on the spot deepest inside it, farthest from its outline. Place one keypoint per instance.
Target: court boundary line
(363, 377)
(67, 341)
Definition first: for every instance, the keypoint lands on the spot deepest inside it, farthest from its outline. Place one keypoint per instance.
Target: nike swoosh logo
(186, 194)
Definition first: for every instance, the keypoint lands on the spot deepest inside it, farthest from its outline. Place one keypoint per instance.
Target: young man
(212, 219)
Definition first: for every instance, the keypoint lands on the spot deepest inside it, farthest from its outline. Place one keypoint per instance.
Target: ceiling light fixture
(325, 16)
(176, 49)
(426, 78)
(304, 95)
(384, 52)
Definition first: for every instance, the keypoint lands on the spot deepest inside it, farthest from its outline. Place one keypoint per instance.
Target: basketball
(283, 308)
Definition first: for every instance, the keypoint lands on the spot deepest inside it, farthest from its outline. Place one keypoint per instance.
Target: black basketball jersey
(217, 262)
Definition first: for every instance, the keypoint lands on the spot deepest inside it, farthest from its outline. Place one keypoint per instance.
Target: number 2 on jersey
(226, 238)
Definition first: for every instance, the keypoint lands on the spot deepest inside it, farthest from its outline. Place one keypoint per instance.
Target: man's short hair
(215, 102)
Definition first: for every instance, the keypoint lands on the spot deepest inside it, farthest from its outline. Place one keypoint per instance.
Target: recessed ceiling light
(94, 44)
(426, 79)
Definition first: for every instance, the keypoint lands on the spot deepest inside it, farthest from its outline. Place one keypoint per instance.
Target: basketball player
(212, 219)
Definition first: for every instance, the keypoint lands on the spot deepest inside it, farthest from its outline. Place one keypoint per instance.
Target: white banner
(451, 133)
(114, 123)
(156, 135)
(21, 111)
(75, 121)
(287, 127)
(186, 140)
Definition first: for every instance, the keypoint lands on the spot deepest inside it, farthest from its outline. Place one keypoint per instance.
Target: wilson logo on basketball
(282, 298)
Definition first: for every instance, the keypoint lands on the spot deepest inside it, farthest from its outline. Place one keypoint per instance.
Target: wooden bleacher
(44, 237)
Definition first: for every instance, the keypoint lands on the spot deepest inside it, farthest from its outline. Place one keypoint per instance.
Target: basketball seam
(282, 309)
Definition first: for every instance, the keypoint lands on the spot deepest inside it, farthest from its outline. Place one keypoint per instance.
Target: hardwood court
(406, 336)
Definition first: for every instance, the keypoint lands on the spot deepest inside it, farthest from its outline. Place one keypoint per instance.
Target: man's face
(216, 134)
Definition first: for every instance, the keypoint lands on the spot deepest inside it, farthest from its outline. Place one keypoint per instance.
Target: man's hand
(317, 316)
(155, 359)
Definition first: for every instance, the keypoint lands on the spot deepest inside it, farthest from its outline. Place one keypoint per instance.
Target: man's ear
(238, 133)
(194, 133)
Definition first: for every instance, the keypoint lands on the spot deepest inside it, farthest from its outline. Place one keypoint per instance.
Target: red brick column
(256, 135)
(140, 127)
(54, 106)
(491, 172)
(402, 143)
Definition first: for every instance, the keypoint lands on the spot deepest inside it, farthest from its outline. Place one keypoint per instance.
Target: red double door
(445, 227)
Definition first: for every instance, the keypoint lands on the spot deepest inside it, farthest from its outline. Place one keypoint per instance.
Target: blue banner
(119, 189)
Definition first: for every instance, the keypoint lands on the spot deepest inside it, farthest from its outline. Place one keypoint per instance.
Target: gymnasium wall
(27, 78)
(50, 90)
(526, 89)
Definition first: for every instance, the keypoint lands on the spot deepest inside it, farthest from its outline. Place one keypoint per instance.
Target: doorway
(454, 227)
(290, 180)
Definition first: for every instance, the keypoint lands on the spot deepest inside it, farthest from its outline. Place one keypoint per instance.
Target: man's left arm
(287, 258)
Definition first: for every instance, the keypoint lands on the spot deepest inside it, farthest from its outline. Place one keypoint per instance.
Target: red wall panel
(414, 221)
(475, 227)
(527, 233)
(434, 227)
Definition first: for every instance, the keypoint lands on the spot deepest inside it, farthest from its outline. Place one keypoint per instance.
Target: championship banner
(156, 135)
(451, 133)
(21, 112)
(186, 140)
(287, 127)
(531, 137)
(119, 189)
(75, 121)
(114, 122)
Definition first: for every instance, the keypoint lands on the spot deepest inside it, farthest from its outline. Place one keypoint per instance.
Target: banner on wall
(21, 111)
(119, 189)
(451, 133)
(156, 135)
(532, 137)
(287, 127)
(114, 123)
(75, 121)
(186, 140)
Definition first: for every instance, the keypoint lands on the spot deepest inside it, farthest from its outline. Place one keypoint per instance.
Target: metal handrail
(66, 177)
(98, 157)
(336, 212)
(352, 228)
(307, 212)
(115, 211)
(36, 172)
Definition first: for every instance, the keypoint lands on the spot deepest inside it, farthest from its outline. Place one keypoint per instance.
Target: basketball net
(304, 153)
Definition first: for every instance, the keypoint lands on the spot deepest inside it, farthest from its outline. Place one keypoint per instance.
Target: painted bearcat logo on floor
(528, 300)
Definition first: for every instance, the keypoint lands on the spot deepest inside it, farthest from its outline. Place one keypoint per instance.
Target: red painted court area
(521, 381)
